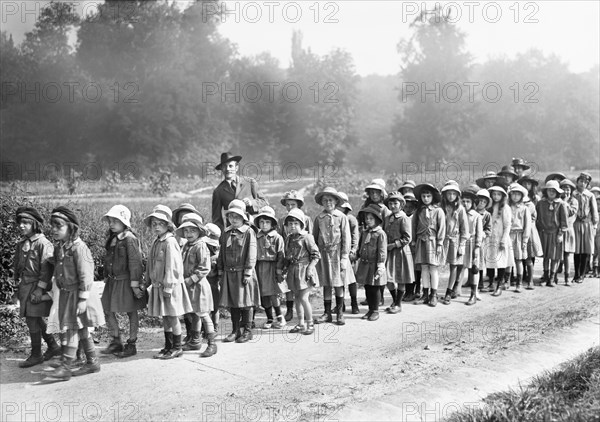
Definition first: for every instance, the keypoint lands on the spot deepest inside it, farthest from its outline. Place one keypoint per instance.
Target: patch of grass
(571, 392)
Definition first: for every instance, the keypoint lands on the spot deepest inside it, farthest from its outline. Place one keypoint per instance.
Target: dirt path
(363, 371)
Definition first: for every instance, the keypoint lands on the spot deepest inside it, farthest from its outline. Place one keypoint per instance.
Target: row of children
(192, 269)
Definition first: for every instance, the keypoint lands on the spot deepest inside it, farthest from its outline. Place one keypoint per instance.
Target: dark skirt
(27, 308)
(67, 310)
(118, 297)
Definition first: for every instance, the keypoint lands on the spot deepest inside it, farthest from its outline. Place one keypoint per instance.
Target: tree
(431, 127)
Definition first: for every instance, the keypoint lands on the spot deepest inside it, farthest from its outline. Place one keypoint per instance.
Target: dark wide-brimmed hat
(567, 182)
(470, 192)
(227, 157)
(185, 207)
(427, 187)
(508, 170)
(374, 209)
(490, 175)
(520, 162)
(559, 177)
(529, 179)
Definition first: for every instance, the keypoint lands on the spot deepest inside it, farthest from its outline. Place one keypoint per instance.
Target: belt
(294, 261)
(369, 261)
(516, 230)
(234, 269)
(71, 288)
(27, 279)
(118, 277)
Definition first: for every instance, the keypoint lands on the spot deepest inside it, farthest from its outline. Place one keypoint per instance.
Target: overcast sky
(370, 30)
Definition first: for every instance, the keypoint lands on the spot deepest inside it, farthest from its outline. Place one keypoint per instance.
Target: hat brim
(558, 190)
(361, 215)
(505, 172)
(118, 217)
(185, 224)
(319, 197)
(291, 217)
(377, 187)
(452, 188)
(346, 205)
(555, 176)
(481, 181)
(236, 158)
(238, 212)
(419, 189)
(273, 220)
(158, 216)
(300, 201)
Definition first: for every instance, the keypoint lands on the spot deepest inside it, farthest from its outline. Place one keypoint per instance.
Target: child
(400, 266)
(429, 231)
(584, 226)
(407, 187)
(332, 234)
(376, 194)
(552, 225)
(196, 266)
(236, 262)
(596, 192)
(520, 230)
(372, 254)
(178, 214)
(79, 304)
(505, 177)
(213, 234)
(482, 201)
(472, 256)
(346, 208)
(123, 274)
(301, 258)
(30, 265)
(568, 188)
(269, 266)
(457, 233)
(413, 290)
(167, 295)
(292, 200)
(534, 246)
(520, 166)
(498, 253)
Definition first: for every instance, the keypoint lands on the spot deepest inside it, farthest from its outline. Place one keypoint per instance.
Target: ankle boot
(447, 297)
(326, 317)
(399, 297)
(595, 272)
(63, 371)
(339, 309)
(473, 299)
(115, 346)
(290, 310)
(212, 346)
(195, 342)
(433, 298)
(176, 351)
(519, 281)
(549, 282)
(36, 351)
(168, 345)
(53, 347)
(188, 329)
(92, 364)
(354, 304)
(425, 297)
(129, 350)
(498, 290)
(545, 276)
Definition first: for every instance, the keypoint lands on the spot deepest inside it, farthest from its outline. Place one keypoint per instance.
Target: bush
(13, 329)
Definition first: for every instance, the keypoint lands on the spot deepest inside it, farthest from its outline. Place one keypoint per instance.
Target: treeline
(157, 85)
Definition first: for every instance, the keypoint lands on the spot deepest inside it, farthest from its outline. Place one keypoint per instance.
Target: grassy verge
(571, 393)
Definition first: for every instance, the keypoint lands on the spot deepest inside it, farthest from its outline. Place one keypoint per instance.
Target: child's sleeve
(173, 265)
(46, 264)
(538, 220)
(220, 258)
(84, 264)
(280, 257)
(573, 207)
(203, 263)
(134, 261)
(381, 249)
(405, 231)
(478, 231)
(251, 253)
(563, 213)
(506, 224)
(526, 226)
(441, 223)
(313, 249)
(487, 224)
(315, 231)
(594, 210)
(353, 236)
(346, 240)
(463, 228)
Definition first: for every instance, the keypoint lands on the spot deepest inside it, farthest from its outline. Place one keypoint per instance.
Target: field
(422, 364)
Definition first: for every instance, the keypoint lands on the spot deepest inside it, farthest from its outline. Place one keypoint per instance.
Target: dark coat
(224, 194)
